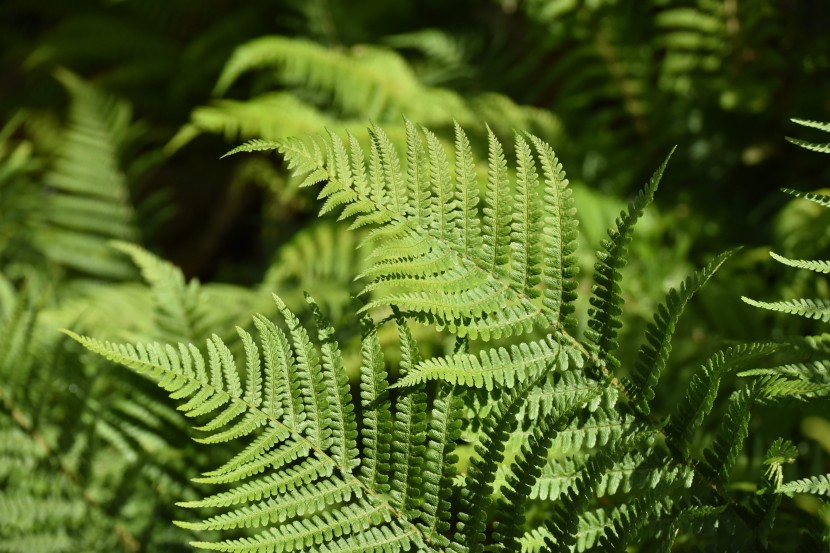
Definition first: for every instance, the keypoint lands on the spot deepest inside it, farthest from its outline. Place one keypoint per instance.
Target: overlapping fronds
(811, 308)
(655, 352)
(295, 411)
(823, 148)
(180, 315)
(342, 87)
(36, 517)
(703, 388)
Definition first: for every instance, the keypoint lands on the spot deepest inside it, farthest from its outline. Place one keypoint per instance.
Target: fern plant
(530, 435)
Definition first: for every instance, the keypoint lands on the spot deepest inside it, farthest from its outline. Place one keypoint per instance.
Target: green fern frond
(817, 485)
(820, 125)
(777, 387)
(376, 432)
(255, 145)
(341, 415)
(729, 438)
(179, 310)
(590, 430)
(818, 266)
(325, 258)
(525, 265)
(606, 302)
(820, 199)
(466, 194)
(408, 431)
(654, 354)
(495, 368)
(510, 513)
(815, 147)
(563, 523)
(559, 240)
(367, 81)
(570, 388)
(596, 528)
(294, 409)
(481, 474)
(632, 472)
(818, 309)
(813, 371)
(703, 388)
(440, 466)
(498, 207)
(483, 291)
(91, 200)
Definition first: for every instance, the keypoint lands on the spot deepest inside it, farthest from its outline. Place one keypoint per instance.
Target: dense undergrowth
(389, 321)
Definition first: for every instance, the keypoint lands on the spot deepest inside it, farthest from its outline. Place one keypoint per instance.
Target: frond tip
(254, 145)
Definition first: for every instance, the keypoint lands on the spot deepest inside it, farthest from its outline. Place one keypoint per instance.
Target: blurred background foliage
(114, 115)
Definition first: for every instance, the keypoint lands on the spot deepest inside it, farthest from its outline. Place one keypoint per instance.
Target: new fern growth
(566, 453)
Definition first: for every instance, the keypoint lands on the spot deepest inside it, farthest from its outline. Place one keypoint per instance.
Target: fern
(819, 485)
(495, 295)
(821, 148)
(90, 204)
(653, 356)
(302, 426)
(607, 301)
(566, 453)
(359, 83)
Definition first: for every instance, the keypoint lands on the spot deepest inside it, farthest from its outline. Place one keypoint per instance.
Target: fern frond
(813, 371)
(817, 485)
(510, 513)
(592, 429)
(729, 438)
(569, 388)
(481, 474)
(820, 199)
(563, 522)
(484, 272)
(818, 265)
(498, 206)
(254, 145)
(703, 388)
(606, 302)
(654, 354)
(295, 481)
(816, 147)
(597, 528)
(495, 367)
(466, 195)
(439, 466)
(820, 125)
(409, 431)
(336, 383)
(417, 173)
(632, 472)
(179, 310)
(560, 243)
(525, 249)
(810, 308)
(367, 81)
(777, 387)
(377, 427)
(90, 203)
